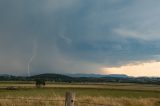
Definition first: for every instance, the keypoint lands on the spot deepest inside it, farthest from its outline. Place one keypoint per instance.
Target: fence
(70, 100)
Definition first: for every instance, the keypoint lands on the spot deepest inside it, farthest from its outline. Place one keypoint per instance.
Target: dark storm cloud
(77, 35)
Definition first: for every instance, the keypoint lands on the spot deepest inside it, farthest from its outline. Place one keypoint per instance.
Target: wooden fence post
(70, 97)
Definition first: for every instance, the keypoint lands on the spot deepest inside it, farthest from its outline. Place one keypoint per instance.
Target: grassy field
(115, 94)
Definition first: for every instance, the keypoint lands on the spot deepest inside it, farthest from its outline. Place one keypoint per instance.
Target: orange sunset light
(142, 69)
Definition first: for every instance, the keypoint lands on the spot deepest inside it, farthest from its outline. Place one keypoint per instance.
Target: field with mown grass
(116, 94)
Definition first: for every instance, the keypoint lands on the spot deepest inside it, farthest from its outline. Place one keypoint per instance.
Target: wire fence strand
(97, 104)
(33, 99)
(56, 100)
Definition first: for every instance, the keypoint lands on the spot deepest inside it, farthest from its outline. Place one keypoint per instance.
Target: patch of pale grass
(32, 101)
(123, 101)
(80, 101)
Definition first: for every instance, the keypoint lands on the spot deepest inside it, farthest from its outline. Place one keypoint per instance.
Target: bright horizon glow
(151, 69)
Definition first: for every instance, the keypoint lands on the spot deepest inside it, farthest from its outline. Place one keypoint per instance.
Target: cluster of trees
(40, 83)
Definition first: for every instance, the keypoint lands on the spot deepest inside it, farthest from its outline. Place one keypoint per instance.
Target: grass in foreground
(84, 101)
(80, 92)
(111, 94)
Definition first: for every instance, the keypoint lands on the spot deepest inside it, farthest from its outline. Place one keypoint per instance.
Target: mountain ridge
(88, 78)
(97, 75)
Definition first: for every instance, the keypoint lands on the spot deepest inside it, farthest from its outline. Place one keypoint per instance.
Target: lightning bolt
(33, 56)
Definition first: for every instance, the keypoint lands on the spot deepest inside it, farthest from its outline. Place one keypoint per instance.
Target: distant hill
(82, 78)
(52, 77)
(4, 75)
(117, 75)
(98, 75)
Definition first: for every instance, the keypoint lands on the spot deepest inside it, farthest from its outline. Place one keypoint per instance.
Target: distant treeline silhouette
(68, 79)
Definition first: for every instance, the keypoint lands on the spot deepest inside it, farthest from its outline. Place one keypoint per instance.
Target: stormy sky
(78, 36)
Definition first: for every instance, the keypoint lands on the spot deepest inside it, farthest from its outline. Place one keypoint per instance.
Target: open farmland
(107, 93)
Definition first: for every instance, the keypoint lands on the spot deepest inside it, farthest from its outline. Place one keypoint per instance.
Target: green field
(108, 89)
(92, 91)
